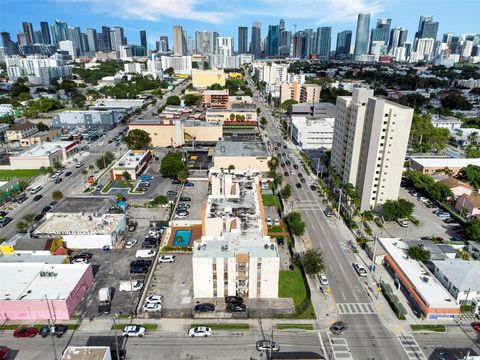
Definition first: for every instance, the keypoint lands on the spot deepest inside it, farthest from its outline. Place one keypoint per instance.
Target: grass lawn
(238, 326)
(294, 326)
(271, 200)
(147, 326)
(436, 328)
(11, 174)
(274, 229)
(291, 285)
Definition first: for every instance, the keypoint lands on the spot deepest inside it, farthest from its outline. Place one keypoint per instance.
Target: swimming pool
(182, 237)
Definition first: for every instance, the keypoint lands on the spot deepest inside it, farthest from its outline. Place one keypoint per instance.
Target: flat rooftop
(462, 274)
(32, 258)
(233, 148)
(446, 162)
(34, 281)
(88, 204)
(85, 352)
(131, 159)
(425, 284)
(235, 108)
(79, 224)
(45, 149)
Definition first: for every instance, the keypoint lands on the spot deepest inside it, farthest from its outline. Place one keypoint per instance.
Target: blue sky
(224, 16)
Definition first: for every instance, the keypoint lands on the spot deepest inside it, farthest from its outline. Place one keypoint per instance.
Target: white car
(402, 222)
(200, 331)
(133, 330)
(152, 307)
(79, 165)
(269, 221)
(323, 279)
(130, 243)
(166, 258)
(276, 222)
(80, 260)
(155, 299)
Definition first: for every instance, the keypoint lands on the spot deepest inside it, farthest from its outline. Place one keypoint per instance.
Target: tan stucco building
(20, 131)
(245, 156)
(44, 154)
(133, 162)
(239, 112)
(40, 137)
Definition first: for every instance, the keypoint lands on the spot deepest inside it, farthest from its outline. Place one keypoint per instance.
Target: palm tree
(182, 175)
(473, 137)
(84, 172)
(91, 167)
(57, 195)
(464, 254)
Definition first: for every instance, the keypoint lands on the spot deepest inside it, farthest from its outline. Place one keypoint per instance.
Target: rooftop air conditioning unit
(265, 246)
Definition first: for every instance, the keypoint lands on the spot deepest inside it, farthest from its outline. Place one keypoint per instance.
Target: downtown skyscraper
(255, 44)
(179, 41)
(362, 34)
(324, 40)
(344, 43)
(242, 40)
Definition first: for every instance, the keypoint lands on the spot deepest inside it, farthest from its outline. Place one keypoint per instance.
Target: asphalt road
(367, 337)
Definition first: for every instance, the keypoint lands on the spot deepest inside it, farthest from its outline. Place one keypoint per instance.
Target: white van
(145, 253)
(35, 189)
(133, 285)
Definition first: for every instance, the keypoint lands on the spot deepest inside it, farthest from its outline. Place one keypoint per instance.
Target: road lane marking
(411, 347)
(355, 309)
(322, 346)
(340, 348)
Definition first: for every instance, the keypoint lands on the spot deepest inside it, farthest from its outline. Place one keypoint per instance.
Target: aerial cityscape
(277, 180)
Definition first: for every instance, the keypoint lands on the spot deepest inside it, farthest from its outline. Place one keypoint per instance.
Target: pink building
(458, 187)
(36, 291)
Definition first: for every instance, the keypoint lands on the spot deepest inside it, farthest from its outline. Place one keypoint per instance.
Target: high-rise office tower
(427, 28)
(242, 39)
(92, 40)
(370, 141)
(344, 43)
(205, 42)
(324, 40)
(6, 39)
(45, 32)
(190, 44)
(381, 32)
(22, 39)
(224, 46)
(59, 31)
(361, 37)
(107, 42)
(307, 43)
(28, 30)
(179, 41)
(84, 43)
(298, 40)
(11, 47)
(73, 34)
(164, 44)
(273, 40)
(398, 37)
(37, 37)
(281, 24)
(255, 43)
(117, 38)
(285, 43)
(143, 39)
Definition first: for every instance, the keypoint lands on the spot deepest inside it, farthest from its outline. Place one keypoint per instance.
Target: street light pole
(115, 333)
(50, 325)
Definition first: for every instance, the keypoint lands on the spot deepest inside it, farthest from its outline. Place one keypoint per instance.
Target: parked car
(269, 221)
(338, 327)
(55, 330)
(86, 255)
(303, 181)
(476, 326)
(5, 221)
(267, 345)
(313, 187)
(188, 183)
(233, 300)
(295, 166)
(183, 206)
(155, 299)
(236, 308)
(37, 197)
(182, 214)
(328, 212)
(166, 258)
(130, 243)
(204, 307)
(360, 269)
(145, 253)
(176, 181)
(443, 215)
(298, 185)
(79, 261)
(402, 222)
(4, 353)
(152, 307)
(172, 193)
(323, 279)
(25, 331)
(286, 173)
(146, 178)
(79, 165)
(68, 173)
(202, 331)
(148, 245)
(185, 198)
(134, 330)
(46, 209)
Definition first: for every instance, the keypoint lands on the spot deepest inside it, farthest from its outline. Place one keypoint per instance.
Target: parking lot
(174, 282)
(198, 194)
(430, 224)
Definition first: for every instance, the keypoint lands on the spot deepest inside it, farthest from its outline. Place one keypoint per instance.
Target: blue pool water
(182, 238)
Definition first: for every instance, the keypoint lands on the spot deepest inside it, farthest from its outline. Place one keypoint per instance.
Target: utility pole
(51, 325)
(115, 333)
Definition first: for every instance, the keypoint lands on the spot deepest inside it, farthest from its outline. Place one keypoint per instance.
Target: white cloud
(154, 10)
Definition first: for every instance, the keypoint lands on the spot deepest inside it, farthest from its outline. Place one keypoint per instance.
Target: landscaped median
(426, 327)
(294, 326)
(225, 326)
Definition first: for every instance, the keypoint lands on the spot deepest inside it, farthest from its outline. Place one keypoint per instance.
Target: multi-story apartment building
(235, 256)
(180, 64)
(20, 131)
(369, 145)
(39, 69)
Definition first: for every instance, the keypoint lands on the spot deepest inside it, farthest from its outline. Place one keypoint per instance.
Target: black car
(338, 327)
(150, 240)
(280, 241)
(286, 173)
(205, 307)
(138, 269)
(37, 197)
(176, 181)
(21, 198)
(185, 198)
(282, 164)
(302, 180)
(295, 166)
(288, 162)
(141, 262)
(313, 187)
(58, 180)
(328, 212)
(148, 245)
(5, 221)
(46, 209)
(85, 255)
(298, 185)
(285, 147)
(56, 330)
(68, 173)
(300, 175)
(279, 155)
(39, 217)
(116, 356)
(104, 308)
(236, 308)
(233, 300)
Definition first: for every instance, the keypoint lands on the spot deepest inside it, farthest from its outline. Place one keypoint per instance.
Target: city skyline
(402, 16)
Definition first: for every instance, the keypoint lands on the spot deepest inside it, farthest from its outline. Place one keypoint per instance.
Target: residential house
(468, 204)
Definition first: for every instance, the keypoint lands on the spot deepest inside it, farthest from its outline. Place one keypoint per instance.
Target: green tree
(7, 119)
(57, 165)
(42, 127)
(78, 100)
(456, 102)
(464, 254)
(287, 105)
(57, 195)
(312, 262)
(169, 71)
(263, 121)
(471, 174)
(126, 176)
(173, 100)
(215, 86)
(159, 200)
(182, 175)
(137, 139)
(472, 229)
(104, 160)
(192, 99)
(424, 137)
(172, 164)
(418, 253)
(399, 209)
(231, 167)
(295, 223)
(286, 192)
(22, 226)
(414, 100)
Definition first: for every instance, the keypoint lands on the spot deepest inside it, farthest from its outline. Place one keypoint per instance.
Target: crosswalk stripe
(411, 347)
(355, 309)
(340, 348)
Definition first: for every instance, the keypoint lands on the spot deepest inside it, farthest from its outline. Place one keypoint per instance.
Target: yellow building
(236, 112)
(204, 78)
(251, 156)
(175, 133)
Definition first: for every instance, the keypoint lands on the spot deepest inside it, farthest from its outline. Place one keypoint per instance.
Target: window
(259, 265)
(214, 267)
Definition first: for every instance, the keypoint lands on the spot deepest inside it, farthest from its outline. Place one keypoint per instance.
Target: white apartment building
(39, 69)
(224, 46)
(154, 67)
(235, 255)
(369, 145)
(180, 64)
(134, 68)
(271, 73)
(67, 45)
(312, 133)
